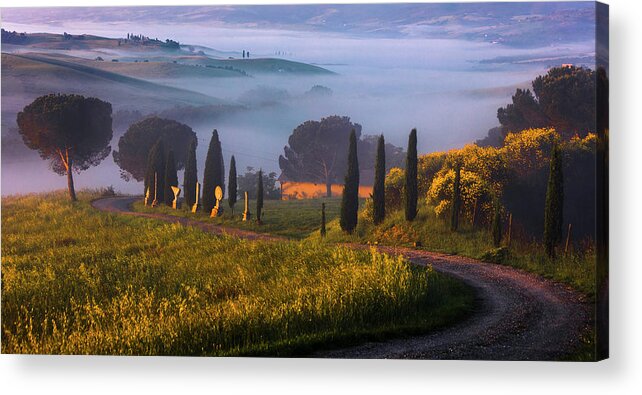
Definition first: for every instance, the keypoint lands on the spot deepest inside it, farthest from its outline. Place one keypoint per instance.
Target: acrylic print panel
(335, 181)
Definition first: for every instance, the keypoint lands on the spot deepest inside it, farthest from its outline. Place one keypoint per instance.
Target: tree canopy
(563, 99)
(247, 183)
(71, 131)
(135, 144)
(316, 152)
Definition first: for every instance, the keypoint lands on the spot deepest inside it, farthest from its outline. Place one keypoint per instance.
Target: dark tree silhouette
(259, 197)
(171, 178)
(553, 213)
(156, 172)
(71, 131)
(214, 172)
(316, 151)
(564, 99)
(134, 145)
(247, 182)
(232, 192)
(410, 186)
(190, 177)
(523, 113)
(378, 191)
(350, 198)
(456, 203)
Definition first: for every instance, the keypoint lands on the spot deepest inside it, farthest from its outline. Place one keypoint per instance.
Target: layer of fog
(387, 85)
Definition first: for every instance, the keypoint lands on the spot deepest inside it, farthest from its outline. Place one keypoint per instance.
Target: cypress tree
(553, 212)
(259, 197)
(213, 174)
(232, 186)
(171, 178)
(456, 206)
(497, 224)
(156, 166)
(323, 231)
(378, 191)
(411, 193)
(190, 175)
(350, 198)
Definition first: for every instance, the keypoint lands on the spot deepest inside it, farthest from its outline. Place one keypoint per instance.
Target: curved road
(518, 316)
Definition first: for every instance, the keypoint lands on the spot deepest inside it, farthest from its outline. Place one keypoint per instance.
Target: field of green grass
(576, 269)
(295, 219)
(301, 219)
(79, 281)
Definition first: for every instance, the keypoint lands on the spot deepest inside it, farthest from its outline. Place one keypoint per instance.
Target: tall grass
(77, 281)
(291, 218)
(577, 268)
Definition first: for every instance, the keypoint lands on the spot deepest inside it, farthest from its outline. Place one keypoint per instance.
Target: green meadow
(301, 219)
(79, 281)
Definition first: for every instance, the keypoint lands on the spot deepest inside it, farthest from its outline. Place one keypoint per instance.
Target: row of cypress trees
(161, 174)
(350, 197)
(553, 212)
(164, 167)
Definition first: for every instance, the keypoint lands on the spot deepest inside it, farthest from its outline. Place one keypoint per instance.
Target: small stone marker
(246, 213)
(196, 205)
(177, 191)
(147, 196)
(217, 210)
(155, 202)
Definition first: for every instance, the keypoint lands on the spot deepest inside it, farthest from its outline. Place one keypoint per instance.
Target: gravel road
(518, 315)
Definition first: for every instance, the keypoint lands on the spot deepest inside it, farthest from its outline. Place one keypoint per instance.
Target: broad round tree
(71, 131)
(135, 144)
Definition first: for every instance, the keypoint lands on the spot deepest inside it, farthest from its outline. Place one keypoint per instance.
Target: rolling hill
(26, 76)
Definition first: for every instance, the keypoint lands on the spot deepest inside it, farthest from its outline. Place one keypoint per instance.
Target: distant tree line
(14, 37)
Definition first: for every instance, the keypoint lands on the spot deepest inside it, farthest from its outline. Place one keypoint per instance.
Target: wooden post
(196, 205)
(474, 213)
(155, 202)
(568, 239)
(510, 228)
(246, 212)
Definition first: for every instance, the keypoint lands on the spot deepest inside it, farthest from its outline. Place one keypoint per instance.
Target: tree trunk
(70, 183)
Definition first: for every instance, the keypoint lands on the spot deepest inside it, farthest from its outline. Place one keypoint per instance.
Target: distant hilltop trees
(14, 37)
(145, 40)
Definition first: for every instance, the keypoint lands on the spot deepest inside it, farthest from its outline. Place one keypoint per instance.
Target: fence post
(568, 239)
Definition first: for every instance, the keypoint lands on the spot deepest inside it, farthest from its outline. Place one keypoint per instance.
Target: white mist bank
(387, 85)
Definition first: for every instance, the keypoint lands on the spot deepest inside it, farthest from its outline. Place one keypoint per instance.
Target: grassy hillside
(46, 67)
(143, 69)
(300, 219)
(25, 77)
(258, 65)
(79, 281)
